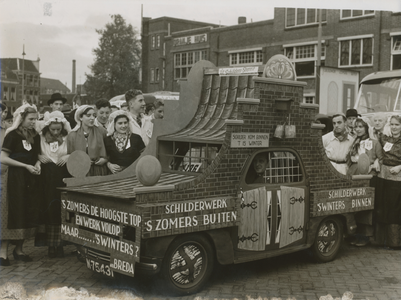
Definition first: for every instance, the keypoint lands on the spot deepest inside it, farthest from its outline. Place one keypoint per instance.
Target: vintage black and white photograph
(200, 150)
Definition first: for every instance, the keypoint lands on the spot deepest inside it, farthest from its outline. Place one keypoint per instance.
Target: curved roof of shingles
(217, 104)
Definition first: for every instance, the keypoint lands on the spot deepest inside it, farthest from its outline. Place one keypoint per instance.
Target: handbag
(290, 130)
(279, 132)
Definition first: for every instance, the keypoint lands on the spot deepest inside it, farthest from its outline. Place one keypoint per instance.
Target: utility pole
(319, 56)
(23, 73)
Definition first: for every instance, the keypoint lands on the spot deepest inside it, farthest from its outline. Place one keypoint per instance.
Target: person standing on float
(337, 143)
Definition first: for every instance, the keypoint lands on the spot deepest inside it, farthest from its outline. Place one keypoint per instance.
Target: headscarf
(78, 114)
(28, 134)
(120, 139)
(55, 117)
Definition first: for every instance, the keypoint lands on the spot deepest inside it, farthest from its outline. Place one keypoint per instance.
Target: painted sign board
(196, 215)
(235, 71)
(339, 201)
(249, 140)
(192, 39)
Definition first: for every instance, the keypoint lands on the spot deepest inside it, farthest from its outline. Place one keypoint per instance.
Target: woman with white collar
(20, 191)
(88, 137)
(123, 146)
(53, 142)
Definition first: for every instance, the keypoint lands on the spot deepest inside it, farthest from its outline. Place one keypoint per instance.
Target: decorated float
(195, 198)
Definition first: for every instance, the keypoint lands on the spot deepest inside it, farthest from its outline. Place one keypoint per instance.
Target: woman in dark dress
(122, 145)
(20, 196)
(388, 189)
(53, 142)
(88, 137)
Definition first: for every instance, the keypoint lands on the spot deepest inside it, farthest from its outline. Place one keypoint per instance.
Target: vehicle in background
(380, 92)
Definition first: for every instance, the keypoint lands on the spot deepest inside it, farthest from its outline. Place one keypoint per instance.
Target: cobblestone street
(369, 273)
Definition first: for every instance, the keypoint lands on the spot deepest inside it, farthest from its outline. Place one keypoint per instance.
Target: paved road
(369, 273)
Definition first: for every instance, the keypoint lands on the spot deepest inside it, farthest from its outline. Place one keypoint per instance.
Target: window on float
(188, 156)
(279, 167)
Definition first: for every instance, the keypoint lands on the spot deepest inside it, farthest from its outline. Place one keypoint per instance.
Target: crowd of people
(356, 148)
(34, 155)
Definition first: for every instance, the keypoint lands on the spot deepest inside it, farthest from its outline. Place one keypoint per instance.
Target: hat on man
(352, 113)
(55, 97)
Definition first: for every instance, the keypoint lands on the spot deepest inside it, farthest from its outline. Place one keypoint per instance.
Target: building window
(356, 52)
(308, 99)
(12, 97)
(396, 52)
(164, 75)
(157, 75)
(5, 94)
(303, 16)
(153, 42)
(164, 49)
(158, 42)
(152, 75)
(304, 57)
(254, 57)
(354, 13)
(183, 62)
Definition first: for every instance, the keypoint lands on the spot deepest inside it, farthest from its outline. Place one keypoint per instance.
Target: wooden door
(255, 224)
(291, 226)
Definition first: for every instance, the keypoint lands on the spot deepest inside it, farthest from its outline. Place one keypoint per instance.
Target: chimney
(73, 76)
(241, 20)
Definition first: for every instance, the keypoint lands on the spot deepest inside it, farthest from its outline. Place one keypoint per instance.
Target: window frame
(313, 59)
(350, 54)
(157, 75)
(200, 54)
(393, 52)
(152, 75)
(238, 53)
(153, 42)
(248, 164)
(286, 26)
(158, 41)
(364, 15)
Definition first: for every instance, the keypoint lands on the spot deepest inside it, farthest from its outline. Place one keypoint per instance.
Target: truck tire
(187, 265)
(329, 237)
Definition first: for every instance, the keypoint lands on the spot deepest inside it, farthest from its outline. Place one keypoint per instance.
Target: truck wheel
(328, 240)
(187, 265)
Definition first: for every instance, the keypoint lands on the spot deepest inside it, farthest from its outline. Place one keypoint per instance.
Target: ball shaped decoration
(79, 163)
(363, 164)
(148, 170)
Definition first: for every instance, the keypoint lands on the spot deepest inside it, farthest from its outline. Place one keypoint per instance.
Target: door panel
(255, 225)
(292, 206)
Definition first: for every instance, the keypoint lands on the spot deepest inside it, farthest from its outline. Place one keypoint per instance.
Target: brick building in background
(365, 41)
(12, 72)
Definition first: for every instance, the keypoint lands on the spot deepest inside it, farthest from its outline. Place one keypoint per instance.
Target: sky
(58, 31)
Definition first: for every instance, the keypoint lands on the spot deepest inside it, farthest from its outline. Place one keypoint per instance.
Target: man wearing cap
(352, 115)
(56, 102)
(337, 143)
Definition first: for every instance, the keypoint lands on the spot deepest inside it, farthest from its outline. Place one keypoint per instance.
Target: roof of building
(53, 84)
(180, 20)
(13, 64)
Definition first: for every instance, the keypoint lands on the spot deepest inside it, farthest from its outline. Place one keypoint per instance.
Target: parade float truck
(193, 198)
